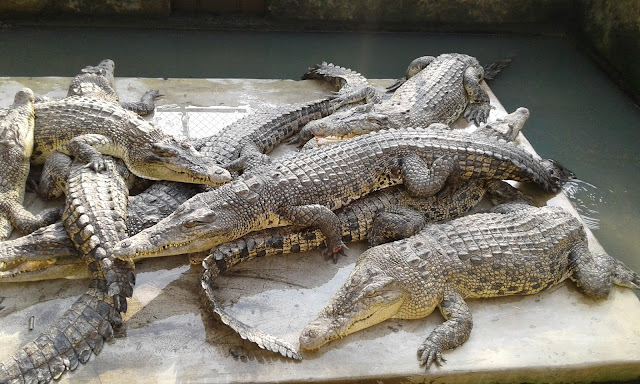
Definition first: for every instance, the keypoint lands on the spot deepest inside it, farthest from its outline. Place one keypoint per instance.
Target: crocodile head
(199, 224)
(174, 160)
(16, 139)
(369, 296)
(61, 267)
(46, 253)
(351, 122)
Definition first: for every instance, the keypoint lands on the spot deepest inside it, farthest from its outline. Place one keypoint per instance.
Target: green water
(578, 116)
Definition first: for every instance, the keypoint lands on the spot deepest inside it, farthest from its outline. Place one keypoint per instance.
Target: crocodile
(94, 217)
(446, 87)
(90, 125)
(305, 189)
(515, 250)
(16, 145)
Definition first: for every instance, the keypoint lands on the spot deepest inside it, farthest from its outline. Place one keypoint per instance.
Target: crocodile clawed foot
(98, 165)
(335, 252)
(429, 353)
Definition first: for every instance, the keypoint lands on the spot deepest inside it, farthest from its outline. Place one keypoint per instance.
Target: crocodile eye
(193, 223)
(163, 150)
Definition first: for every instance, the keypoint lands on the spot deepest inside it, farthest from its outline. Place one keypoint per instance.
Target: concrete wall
(611, 28)
(86, 7)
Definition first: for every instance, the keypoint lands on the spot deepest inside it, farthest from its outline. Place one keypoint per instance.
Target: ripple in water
(586, 197)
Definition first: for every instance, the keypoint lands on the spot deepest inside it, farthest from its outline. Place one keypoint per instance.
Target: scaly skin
(49, 254)
(94, 217)
(516, 250)
(305, 189)
(379, 217)
(442, 89)
(382, 216)
(16, 145)
(92, 125)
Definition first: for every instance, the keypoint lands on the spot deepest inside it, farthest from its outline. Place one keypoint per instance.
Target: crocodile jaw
(368, 297)
(193, 227)
(170, 159)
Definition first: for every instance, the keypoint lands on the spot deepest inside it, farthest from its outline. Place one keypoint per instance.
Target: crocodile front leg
(449, 335)
(25, 221)
(477, 110)
(422, 180)
(322, 217)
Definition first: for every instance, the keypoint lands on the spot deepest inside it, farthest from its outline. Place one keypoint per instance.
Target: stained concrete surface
(558, 335)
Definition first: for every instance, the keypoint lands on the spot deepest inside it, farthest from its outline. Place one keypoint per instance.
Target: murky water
(578, 116)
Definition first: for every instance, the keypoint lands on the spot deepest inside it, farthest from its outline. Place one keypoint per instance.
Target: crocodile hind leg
(422, 180)
(477, 110)
(595, 273)
(53, 179)
(25, 221)
(323, 218)
(394, 224)
(450, 334)
(145, 106)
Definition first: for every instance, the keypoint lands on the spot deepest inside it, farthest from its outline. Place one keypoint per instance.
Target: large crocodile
(305, 189)
(16, 145)
(445, 87)
(94, 217)
(517, 249)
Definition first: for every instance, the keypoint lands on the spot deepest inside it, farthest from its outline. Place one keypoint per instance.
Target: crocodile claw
(335, 252)
(430, 353)
(477, 113)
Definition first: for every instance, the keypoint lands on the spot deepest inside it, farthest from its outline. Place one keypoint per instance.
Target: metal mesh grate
(196, 122)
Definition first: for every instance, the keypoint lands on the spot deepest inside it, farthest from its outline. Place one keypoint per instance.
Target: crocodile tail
(625, 276)
(558, 175)
(72, 339)
(262, 339)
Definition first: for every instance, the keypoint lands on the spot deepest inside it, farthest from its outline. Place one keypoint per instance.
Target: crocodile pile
(400, 173)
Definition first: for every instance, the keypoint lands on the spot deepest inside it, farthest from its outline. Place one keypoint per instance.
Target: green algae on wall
(87, 7)
(612, 29)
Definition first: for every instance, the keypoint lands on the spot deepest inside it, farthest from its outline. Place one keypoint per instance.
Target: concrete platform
(556, 336)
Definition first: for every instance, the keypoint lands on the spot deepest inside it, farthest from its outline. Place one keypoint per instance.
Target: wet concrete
(558, 335)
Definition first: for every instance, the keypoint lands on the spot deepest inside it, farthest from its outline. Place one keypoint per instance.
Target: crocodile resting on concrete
(94, 217)
(382, 216)
(304, 189)
(94, 124)
(517, 249)
(442, 89)
(16, 145)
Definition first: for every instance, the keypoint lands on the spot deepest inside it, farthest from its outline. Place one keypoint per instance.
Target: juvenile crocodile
(445, 88)
(516, 250)
(94, 217)
(16, 145)
(305, 189)
(89, 125)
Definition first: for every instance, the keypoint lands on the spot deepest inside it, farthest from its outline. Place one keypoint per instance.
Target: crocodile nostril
(125, 244)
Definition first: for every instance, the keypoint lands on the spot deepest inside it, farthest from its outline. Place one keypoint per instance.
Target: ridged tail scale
(94, 217)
